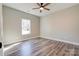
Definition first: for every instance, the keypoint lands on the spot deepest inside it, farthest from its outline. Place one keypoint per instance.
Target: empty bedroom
(40, 29)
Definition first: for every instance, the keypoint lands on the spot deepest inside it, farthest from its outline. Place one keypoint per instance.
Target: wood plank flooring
(44, 47)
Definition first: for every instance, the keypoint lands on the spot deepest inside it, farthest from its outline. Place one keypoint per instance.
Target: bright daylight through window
(26, 26)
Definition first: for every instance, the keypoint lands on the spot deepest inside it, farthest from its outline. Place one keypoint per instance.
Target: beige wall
(62, 25)
(1, 28)
(12, 25)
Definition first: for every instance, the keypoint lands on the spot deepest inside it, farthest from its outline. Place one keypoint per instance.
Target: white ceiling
(27, 7)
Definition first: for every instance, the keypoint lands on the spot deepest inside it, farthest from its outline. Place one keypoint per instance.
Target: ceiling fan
(42, 6)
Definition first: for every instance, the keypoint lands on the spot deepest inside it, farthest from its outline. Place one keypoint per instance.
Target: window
(26, 29)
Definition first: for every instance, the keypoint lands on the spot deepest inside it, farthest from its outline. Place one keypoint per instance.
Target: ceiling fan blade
(35, 8)
(46, 9)
(38, 4)
(46, 4)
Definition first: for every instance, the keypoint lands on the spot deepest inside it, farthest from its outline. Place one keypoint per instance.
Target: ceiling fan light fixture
(41, 8)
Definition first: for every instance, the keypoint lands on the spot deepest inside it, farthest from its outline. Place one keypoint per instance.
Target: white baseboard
(22, 40)
(32, 37)
(60, 40)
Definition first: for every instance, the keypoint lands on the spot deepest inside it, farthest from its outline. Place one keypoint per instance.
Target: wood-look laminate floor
(44, 47)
